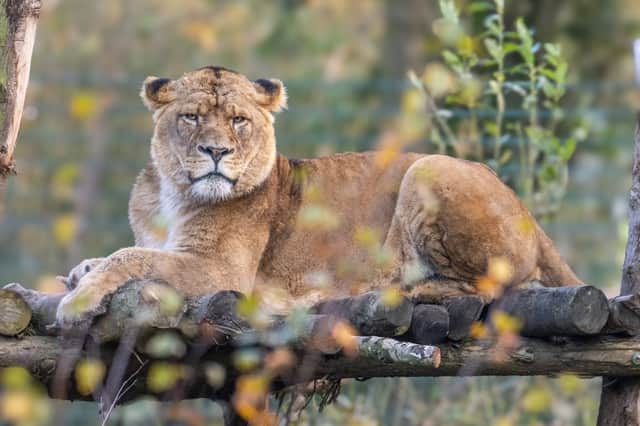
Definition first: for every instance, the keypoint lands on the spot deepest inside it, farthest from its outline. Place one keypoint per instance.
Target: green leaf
(493, 48)
(480, 7)
(567, 150)
(548, 173)
(505, 156)
(510, 47)
(449, 11)
(552, 49)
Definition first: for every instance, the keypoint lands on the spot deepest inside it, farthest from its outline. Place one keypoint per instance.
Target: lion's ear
(157, 92)
(272, 94)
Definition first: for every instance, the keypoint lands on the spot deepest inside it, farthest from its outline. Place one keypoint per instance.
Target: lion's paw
(80, 306)
(83, 268)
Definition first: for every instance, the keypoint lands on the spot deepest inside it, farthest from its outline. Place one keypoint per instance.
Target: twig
(123, 390)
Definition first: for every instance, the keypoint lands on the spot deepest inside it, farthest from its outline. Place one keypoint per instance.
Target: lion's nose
(215, 152)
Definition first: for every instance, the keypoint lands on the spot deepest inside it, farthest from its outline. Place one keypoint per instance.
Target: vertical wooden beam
(620, 400)
(22, 18)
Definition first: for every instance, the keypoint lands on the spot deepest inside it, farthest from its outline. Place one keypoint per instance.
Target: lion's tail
(554, 271)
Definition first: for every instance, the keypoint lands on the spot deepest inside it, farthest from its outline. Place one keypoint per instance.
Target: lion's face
(214, 136)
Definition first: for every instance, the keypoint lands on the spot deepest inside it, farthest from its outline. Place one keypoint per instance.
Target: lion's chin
(212, 189)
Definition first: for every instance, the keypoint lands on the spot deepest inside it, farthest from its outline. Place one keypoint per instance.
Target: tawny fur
(300, 230)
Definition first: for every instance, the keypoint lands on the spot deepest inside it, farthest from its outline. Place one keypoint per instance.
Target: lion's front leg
(80, 270)
(91, 295)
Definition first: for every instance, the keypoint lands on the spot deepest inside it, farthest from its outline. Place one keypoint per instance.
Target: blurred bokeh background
(85, 136)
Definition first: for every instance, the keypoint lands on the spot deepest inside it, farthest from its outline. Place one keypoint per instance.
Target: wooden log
(15, 313)
(385, 350)
(610, 355)
(43, 307)
(311, 332)
(429, 324)
(558, 311)
(211, 318)
(370, 314)
(463, 311)
(624, 315)
(619, 400)
(215, 313)
(595, 356)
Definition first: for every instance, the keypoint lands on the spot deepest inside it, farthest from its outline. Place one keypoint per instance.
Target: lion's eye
(238, 119)
(190, 118)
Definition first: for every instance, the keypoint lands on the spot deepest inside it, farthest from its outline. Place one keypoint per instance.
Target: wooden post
(620, 400)
(22, 18)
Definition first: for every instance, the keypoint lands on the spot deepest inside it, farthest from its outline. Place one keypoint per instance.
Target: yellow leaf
(526, 225)
(15, 377)
(83, 105)
(570, 384)
(536, 400)
(66, 174)
(159, 227)
(505, 323)
(169, 301)
(439, 80)
(366, 236)
(412, 101)
(254, 385)
(163, 376)
(246, 359)
(165, 344)
(467, 45)
(478, 330)
(318, 217)
(215, 375)
(391, 297)
(279, 360)
(500, 270)
(343, 333)
(470, 91)
(388, 149)
(247, 306)
(64, 229)
(89, 374)
(16, 406)
(249, 397)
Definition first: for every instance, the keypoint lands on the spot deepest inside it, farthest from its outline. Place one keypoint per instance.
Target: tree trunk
(22, 18)
(620, 397)
(407, 25)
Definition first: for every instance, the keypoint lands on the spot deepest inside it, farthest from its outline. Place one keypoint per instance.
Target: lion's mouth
(212, 175)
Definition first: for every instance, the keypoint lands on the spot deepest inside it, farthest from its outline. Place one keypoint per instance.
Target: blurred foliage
(496, 71)
(83, 116)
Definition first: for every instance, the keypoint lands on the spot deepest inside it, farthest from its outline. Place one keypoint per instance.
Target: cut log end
(463, 311)
(15, 313)
(589, 310)
(429, 325)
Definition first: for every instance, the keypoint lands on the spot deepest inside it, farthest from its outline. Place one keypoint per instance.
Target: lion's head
(214, 137)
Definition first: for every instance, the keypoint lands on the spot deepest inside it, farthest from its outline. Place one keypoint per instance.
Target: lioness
(241, 216)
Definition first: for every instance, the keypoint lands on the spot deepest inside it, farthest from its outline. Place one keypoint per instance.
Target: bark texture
(22, 18)
(620, 397)
(563, 311)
